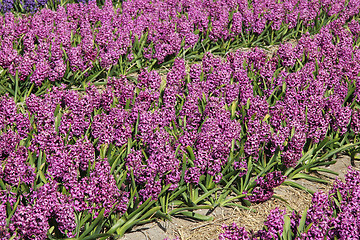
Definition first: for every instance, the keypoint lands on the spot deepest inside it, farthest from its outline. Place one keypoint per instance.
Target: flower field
(117, 114)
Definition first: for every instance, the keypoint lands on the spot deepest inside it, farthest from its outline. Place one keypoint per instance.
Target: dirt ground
(253, 219)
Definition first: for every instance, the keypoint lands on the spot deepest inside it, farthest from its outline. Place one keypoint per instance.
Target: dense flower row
(331, 216)
(82, 36)
(73, 181)
(176, 129)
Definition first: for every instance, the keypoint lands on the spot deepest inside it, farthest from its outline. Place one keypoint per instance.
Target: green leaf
(57, 121)
(196, 201)
(96, 236)
(93, 225)
(310, 178)
(191, 153)
(2, 184)
(92, 77)
(296, 185)
(323, 170)
(56, 110)
(83, 221)
(233, 109)
(178, 210)
(117, 159)
(177, 193)
(197, 216)
(301, 226)
(12, 211)
(227, 201)
(339, 195)
(287, 228)
(137, 218)
(308, 227)
(280, 198)
(337, 150)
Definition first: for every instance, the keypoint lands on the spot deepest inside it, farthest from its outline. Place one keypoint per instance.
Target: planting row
(23, 6)
(95, 163)
(331, 216)
(79, 43)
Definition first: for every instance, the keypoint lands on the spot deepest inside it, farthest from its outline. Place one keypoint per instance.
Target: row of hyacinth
(81, 37)
(330, 216)
(248, 104)
(31, 6)
(22, 5)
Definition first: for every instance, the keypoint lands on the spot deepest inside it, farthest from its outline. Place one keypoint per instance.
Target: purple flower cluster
(234, 232)
(15, 170)
(34, 212)
(265, 187)
(13, 126)
(44, 204)
(77, 180)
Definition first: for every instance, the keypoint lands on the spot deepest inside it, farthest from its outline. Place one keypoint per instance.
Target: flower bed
(223, 131)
